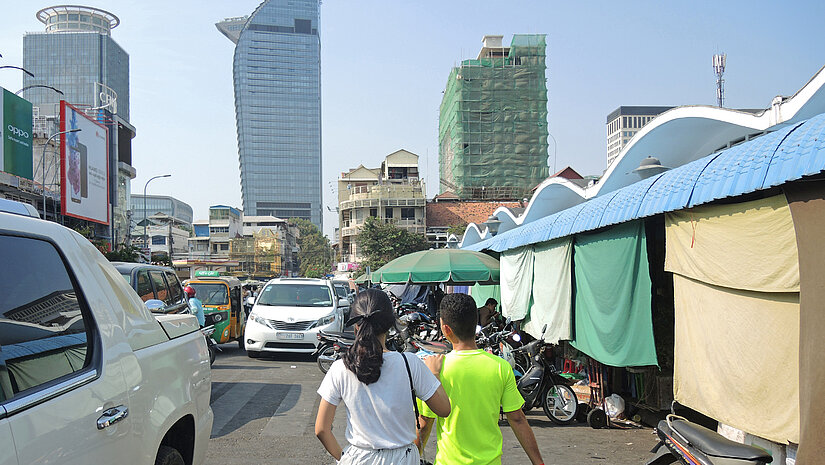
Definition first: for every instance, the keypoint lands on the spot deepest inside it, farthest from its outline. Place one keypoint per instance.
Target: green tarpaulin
(481, 293)
(613, 321)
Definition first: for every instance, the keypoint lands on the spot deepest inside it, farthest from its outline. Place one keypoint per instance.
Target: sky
(384, 65)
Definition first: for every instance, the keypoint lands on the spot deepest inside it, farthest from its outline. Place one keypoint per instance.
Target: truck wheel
(169, 456)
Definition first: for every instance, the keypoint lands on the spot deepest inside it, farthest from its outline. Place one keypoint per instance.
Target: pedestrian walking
(478, 385)
(378, 388)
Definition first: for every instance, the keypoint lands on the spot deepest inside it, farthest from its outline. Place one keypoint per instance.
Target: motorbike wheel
(325, 358)
(211, 354)
(560, 404)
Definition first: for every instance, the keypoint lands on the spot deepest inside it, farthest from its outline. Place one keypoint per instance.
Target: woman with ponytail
(374, 385)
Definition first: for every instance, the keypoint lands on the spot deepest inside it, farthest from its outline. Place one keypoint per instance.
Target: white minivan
(289, 312)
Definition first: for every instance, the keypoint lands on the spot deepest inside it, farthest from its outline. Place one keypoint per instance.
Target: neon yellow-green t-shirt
(478, 384)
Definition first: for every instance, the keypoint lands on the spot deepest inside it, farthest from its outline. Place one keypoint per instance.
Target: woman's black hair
(373, 312)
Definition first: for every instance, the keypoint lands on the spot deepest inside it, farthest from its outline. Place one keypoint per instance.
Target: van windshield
(295, 295)
(211, 294)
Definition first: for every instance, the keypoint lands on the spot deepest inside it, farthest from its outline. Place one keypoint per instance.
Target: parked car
(155, 282)
(87, 373)
(342, 291)
(288, 314)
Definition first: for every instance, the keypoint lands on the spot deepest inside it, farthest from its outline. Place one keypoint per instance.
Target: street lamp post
(145, 235)
(43, 161)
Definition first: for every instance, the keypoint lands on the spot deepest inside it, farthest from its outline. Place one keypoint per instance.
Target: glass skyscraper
(75, 54)
(277, 78)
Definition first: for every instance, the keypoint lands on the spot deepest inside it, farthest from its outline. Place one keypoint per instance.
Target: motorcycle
(691, 444)
(503, 343)
(542, 385)
(331, 348)
(213, 348)
(419, 325)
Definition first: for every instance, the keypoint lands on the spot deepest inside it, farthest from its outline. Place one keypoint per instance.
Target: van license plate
(290, 335)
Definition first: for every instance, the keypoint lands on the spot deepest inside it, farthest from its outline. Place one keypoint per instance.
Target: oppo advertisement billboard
(84, 166)
(16, 146)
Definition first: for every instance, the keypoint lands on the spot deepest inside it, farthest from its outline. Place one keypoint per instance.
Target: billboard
(84, 166)
(16, 146)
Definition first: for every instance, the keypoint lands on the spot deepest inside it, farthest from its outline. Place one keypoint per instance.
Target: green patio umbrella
(440, 266)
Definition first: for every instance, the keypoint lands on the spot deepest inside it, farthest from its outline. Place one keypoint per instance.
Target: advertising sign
(84, 166)
(16, 146)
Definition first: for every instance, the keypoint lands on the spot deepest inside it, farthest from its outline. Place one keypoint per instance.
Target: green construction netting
(493, 123)
(612, 294)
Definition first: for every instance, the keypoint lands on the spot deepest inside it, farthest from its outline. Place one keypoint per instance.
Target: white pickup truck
(87, 374)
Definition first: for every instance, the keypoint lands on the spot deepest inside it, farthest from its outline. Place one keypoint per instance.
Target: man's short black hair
(458, 311)
(491, 301)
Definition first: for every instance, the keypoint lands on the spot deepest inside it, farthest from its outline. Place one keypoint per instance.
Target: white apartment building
(393, 193)
(623, 123)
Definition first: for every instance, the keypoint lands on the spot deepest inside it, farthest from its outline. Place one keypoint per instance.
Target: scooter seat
(714, 444)
(339, 335)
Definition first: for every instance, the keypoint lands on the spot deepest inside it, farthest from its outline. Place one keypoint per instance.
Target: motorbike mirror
(517, 337)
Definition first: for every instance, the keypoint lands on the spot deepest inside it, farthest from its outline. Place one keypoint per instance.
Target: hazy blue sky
(385, 63)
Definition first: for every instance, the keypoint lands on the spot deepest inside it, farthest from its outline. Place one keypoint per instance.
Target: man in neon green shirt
(478, 385)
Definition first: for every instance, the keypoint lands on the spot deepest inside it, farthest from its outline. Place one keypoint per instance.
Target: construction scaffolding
(493, 123)
(259, 254)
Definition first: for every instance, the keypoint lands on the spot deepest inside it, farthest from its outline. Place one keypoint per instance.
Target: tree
(457, 229)
(314, 254)
(381, 242)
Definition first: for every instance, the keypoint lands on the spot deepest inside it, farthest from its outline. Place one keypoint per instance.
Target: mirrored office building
(277, 78)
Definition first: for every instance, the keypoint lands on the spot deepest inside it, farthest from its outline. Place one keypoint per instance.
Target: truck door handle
(112, 416)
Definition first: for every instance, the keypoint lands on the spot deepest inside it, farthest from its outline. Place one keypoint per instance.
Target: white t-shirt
(380, 415)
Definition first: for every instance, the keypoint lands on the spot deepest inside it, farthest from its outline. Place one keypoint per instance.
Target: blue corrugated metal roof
(591, 213)
(626, 203)
(737, 170)
(782, 156)
(801, 153)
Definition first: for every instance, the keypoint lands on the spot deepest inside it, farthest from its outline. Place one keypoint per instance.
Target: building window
(374, 212)
(388, 213)
(408, 213)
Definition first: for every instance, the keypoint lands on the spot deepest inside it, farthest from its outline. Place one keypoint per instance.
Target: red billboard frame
(63, 141)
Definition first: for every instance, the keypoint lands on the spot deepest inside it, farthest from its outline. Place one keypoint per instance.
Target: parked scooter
(690, 444)
(332, 347)
(542, 385)
(210, 343)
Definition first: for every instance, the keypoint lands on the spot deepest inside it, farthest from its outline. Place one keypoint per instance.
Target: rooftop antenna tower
(719, 68)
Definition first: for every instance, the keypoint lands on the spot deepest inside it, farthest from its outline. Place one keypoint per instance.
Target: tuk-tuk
(222, 306)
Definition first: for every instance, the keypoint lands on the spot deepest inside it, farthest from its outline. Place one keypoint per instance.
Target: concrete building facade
(394, 193)
(623, 123)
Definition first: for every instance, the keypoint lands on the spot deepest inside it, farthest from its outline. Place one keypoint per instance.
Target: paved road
(265, 413)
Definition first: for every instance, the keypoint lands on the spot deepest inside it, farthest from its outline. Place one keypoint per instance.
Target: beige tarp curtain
(807, 201)
(736, 296)
(516, 282)
(552, 291)
(749, 245)
(736, 357)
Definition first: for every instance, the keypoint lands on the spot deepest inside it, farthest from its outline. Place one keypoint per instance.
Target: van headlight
(260, 320)
(324, 321)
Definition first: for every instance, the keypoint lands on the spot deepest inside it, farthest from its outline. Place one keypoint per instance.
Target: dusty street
(265, 413)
